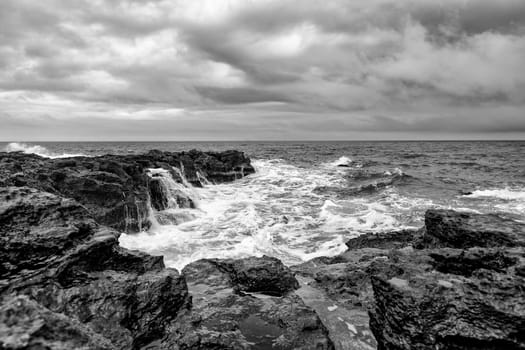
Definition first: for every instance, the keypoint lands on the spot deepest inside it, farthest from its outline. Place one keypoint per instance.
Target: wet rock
(441, 311)
(465, 294)
(448, 228)
(55, 254)
(25, 324)
(235, 306)
(37, 228)
(115, 189)
(467, 262)
(264, 275)
(158, 194)
(383, 240)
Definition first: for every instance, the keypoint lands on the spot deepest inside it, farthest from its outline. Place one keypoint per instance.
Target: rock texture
(74, 272)
(249, 304)
(455, 284)
(65, 283)
(116, 188)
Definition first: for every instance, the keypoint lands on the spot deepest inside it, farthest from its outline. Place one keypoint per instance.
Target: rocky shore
(65, 283)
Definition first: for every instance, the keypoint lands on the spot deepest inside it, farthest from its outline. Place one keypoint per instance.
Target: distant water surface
(308, 198)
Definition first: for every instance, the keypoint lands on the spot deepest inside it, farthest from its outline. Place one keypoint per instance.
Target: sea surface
(307, 198)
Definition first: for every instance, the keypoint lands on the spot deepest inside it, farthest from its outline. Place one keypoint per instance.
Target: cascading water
(171, 202)
(203, 180)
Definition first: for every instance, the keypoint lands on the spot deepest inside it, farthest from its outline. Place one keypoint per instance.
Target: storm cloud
(261, 69)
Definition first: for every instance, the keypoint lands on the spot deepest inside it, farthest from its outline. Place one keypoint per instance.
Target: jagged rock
(383, 240)
(450, 298)
(25, 324)
(37, 228)
(448, 228)
(264, 275)
(158, 195)
(114, 188)
(54, 253)
(247, 304)
(441, 311)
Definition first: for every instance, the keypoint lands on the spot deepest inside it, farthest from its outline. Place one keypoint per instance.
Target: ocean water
(307, 198)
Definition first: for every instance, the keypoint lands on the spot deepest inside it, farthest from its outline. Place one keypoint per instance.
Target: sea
(307, 199)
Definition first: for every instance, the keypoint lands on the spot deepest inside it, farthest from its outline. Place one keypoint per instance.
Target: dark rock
(54, 253)
(439, 311)
(264, 275)
(158, 195)
(466, 262)
(428, 298)
(25, 324)
(116, 188)
(383, 240)
(225, 316)
(447, 228)
(37, 228)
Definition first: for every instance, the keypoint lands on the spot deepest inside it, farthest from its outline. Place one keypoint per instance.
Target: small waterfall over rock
(169, 198)
(202, 178)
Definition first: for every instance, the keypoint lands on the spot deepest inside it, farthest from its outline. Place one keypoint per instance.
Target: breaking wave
(276, 211)
(504, 193)
(38, 150)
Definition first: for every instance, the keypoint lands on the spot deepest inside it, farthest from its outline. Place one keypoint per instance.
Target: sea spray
(38, 150)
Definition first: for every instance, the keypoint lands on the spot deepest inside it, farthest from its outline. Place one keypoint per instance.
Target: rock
(37, 228)
(116, 188)
(25, 324)
(447, 228)
(383, 240)
(237, 306)
(158, 194)
(264, 275)
(467, 262)
(441, 311)
(54, 253)
(465, 294)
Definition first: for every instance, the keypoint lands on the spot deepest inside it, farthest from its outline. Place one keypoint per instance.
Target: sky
(262, 69)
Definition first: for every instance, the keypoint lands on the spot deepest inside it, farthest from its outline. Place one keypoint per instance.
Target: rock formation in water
(117, 189)
(458, 283)
(65, 283)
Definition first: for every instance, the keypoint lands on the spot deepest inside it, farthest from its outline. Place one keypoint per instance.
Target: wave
(504, 193)
(38, 150)
(342, 162)
(363, 183)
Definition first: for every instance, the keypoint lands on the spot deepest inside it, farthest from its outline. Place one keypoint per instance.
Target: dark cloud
(240, 95)
(269, 67)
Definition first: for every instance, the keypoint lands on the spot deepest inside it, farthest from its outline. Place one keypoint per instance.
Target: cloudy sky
(261, 69)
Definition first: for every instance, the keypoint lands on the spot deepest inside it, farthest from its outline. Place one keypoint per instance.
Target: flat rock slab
(348, 328)
(224, 314)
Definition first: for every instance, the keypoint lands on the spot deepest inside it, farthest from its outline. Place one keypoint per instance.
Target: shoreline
(66, 282)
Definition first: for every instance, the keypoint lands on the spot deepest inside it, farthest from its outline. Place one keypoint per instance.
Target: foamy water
(306, 200)
(275, 212)
(37, 149)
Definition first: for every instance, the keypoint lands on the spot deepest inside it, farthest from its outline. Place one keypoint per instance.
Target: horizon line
(259, 141)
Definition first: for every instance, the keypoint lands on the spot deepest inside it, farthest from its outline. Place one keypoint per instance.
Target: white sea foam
(283, 211)
(277, 211)
(37, 149)
(342, 162)
(503, 193)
